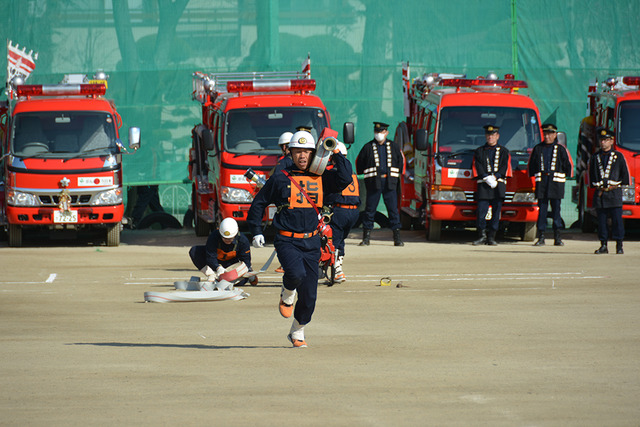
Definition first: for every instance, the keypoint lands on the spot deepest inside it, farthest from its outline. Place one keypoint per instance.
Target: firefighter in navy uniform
(297, 241)
(381, 162)
(344, 217)
(608, 171)
(224, 247)
(550, 164)
(491, 168)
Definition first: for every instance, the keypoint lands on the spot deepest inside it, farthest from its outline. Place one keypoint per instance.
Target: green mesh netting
(150, 48)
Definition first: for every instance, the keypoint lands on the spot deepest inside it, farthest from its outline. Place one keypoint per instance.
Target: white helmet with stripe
(302, 139)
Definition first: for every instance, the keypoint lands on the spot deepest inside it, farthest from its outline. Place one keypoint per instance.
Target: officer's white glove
(211, 275)
(219, 272)
(491, 181)
(258, 241)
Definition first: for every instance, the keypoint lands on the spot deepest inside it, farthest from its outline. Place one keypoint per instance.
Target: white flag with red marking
(19, 62)
(306, 66)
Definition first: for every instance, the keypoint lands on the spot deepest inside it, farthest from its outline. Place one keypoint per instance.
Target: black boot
(491, 238)
(619, 249)
(557, 239)
(482, 238)
(366, 234)
(540, 241)
(602, 249)
(396, 238)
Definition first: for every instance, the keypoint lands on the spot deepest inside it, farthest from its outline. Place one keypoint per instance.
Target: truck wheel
(587, 223)
(406, 221)
(528, 231)
(434, 230)
(202, 227)
(15, 235)
(113, 234)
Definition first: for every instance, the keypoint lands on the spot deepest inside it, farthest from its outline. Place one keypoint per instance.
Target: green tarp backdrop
(150, 48)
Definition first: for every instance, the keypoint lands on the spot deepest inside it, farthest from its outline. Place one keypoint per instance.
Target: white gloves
(258, 241)
(491, 181)
(211, 275)
(220, 271)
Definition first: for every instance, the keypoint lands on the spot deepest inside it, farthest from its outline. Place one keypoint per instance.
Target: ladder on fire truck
(218, 84)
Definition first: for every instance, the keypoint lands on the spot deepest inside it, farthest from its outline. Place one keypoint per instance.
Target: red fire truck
(62, 159)
(243, 116)
(445, 118)
(614, 104)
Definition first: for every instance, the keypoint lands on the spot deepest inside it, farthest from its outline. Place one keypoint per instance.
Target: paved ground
(487, 336)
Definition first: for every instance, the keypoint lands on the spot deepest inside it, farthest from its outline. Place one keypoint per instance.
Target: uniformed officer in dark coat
(550, 164)
(491, 168)
(608, 171)
(381, 162)
(297, 241)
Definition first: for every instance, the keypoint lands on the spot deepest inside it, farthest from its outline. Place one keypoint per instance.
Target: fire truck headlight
(19, 198)
(628, 194)
(109, 197)
(524, 197)
(236, 195)
(455, 195)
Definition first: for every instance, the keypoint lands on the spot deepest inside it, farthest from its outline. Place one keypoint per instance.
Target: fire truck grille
(76, 199)
(471, 196)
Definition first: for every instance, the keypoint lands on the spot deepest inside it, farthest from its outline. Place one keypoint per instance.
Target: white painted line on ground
(51, 278)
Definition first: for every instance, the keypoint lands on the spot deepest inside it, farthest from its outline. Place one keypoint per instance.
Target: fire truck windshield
(460, 132)
(63, 134)
(257, 130)
(629, 125)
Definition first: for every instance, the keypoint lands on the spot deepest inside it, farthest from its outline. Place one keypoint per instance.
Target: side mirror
(421, 140)
(562, 139)
(134, 138)
(348, 133)
(207, 139)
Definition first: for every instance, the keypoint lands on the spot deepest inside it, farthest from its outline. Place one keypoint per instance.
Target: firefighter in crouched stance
(298, 196)
(491, 167)
(224, 247)
(550, 164)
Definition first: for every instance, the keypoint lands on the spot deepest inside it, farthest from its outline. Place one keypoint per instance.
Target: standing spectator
(381, 162)
(608, 171)
(491, 167)
(550, 164)
(297, 195)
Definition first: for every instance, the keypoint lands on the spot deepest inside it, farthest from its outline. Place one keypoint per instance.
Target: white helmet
(228, 228)
(302, 139)
(285, 138)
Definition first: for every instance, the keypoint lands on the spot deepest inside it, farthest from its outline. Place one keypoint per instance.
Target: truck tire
(434, 230)
(587, 223)
(528, 231)
(15, 235)
(113, 234)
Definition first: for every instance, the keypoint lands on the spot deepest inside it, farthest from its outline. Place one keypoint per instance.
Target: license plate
(65, 217)
(271, 211)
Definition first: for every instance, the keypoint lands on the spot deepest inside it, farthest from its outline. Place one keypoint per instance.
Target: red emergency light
(631, 80)
(296, 85)
(91, 89)
(506, 84)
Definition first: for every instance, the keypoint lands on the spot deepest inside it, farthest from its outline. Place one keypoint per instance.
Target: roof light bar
(631, 80)
(505, 83)
(303, 85)
(59, 90)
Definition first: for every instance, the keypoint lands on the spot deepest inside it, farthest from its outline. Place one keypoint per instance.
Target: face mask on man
(379, 137)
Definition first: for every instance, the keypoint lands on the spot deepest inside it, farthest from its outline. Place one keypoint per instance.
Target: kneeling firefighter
(224, 247)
